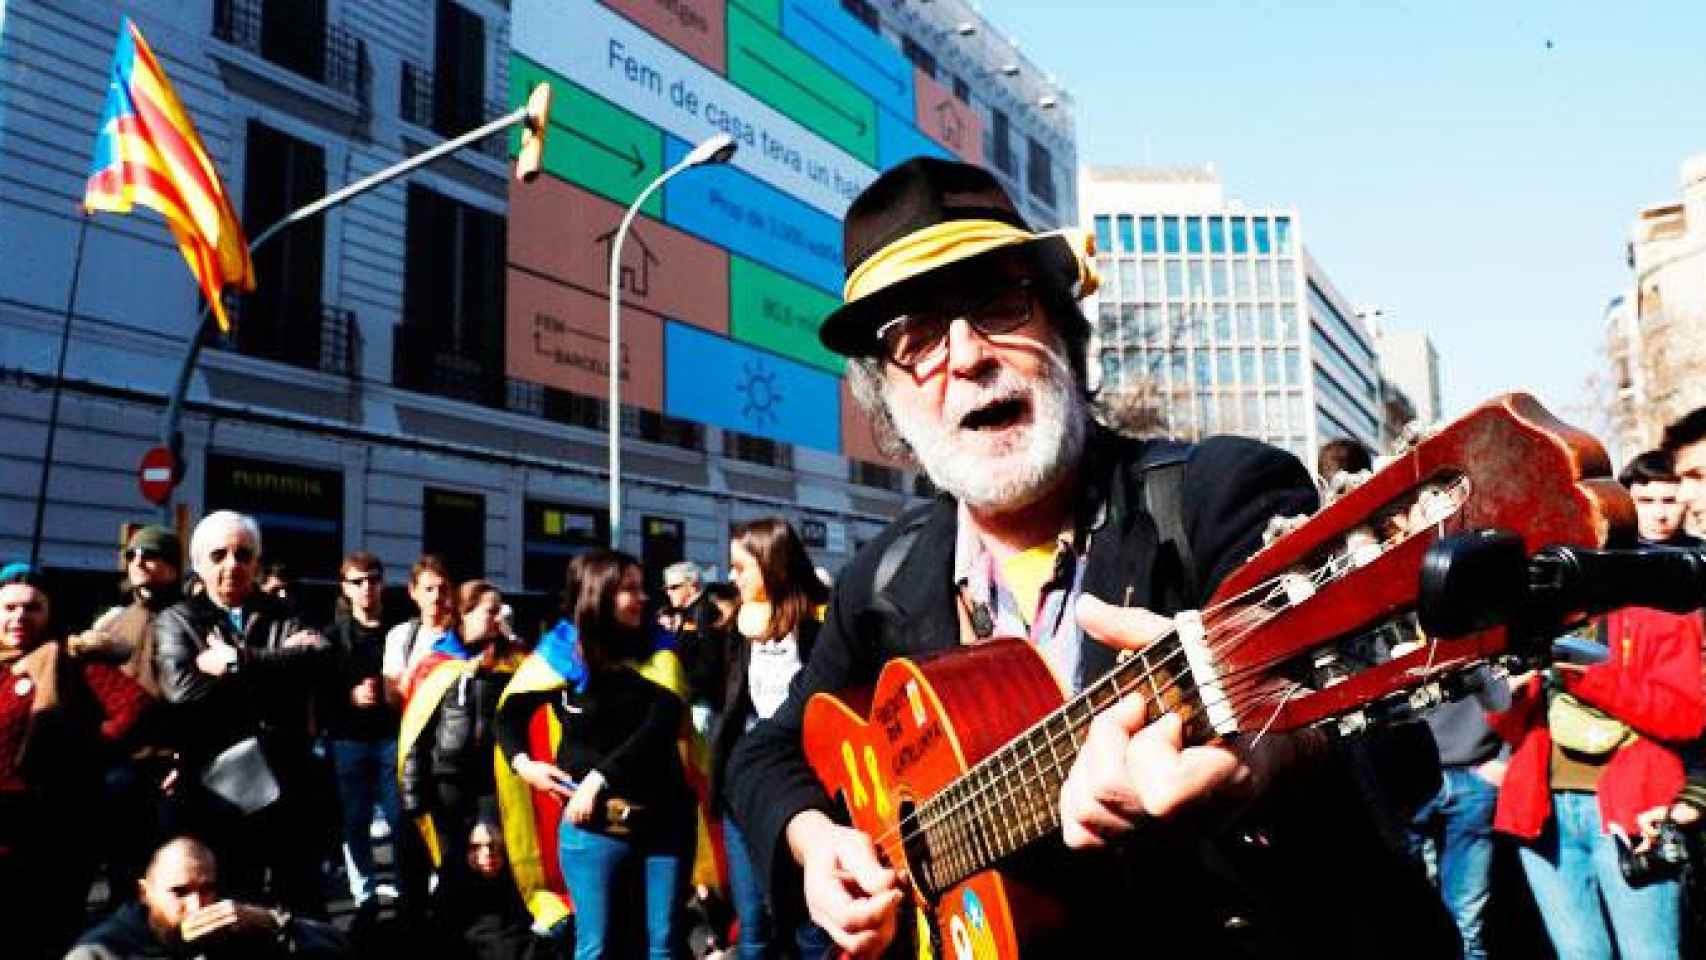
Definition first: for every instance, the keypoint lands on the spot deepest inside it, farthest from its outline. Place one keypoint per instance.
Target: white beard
(1003, 470)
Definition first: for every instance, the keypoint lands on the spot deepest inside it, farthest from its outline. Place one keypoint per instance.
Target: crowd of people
(634, 781)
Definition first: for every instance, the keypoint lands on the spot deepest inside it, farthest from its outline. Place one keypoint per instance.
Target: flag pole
(58, 390)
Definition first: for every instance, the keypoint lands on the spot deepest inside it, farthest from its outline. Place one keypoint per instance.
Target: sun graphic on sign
(762, 396)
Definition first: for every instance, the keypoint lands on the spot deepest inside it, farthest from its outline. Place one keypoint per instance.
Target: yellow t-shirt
(1025, 572)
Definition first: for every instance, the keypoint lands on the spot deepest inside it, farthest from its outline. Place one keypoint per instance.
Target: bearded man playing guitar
(966, 343)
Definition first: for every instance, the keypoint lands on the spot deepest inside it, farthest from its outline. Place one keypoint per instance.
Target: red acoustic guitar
(953, 764)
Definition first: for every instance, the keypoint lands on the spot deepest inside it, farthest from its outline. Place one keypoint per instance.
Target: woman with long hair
(449, 729)
(629, 807)
(776, 628)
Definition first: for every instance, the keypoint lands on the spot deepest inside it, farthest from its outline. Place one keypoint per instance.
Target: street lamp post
(534, 115)
(717, 149)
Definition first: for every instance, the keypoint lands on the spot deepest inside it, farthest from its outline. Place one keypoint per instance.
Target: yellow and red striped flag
(147, 152)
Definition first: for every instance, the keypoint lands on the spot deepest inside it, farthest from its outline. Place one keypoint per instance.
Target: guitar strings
(1228, 630)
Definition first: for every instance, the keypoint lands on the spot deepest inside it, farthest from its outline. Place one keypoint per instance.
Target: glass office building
(1217, 309)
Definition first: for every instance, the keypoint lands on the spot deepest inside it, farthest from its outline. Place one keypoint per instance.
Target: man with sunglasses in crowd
(967, 348)
(238, 673)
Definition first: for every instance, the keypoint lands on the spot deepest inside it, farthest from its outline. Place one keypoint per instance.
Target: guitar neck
(1011, 798)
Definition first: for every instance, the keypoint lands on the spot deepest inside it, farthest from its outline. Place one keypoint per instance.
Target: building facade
(424, 367)
(1217, 311)
(1409, 371)
(1656, 330)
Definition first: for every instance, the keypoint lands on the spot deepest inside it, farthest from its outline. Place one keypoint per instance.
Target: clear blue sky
(1473, 167)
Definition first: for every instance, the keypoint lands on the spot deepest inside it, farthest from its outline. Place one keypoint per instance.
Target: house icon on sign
(636, 276)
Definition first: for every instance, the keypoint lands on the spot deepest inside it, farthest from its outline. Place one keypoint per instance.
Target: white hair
(213, 528)
(684, 570)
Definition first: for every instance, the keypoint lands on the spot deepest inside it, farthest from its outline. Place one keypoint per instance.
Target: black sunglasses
(243, 554)
(372, 578)
(913, 339)
(141, 553)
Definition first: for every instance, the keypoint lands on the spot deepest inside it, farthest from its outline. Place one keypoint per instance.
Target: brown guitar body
(930, 720)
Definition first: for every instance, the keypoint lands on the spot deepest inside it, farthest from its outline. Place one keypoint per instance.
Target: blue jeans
(757, 927)
(367, 774)
(1453, 834)
(598, 870)
(1572, 869)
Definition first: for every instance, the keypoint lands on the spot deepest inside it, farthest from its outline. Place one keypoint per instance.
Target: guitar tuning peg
(1280, 526)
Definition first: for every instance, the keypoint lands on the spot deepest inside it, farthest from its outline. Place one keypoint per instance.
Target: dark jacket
(126, 936)
(1316, 878)
(736, 706)
(357, 655)
(267, 695)
(457, 743)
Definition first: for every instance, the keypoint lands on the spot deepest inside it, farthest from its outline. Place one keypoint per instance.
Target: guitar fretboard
(1011, 798)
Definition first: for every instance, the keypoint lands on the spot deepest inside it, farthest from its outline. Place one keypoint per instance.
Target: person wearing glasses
(124, 637)
(237, 673)
(968, 351)
(359, 714)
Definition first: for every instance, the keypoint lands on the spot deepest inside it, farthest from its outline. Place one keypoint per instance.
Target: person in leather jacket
(449, 737)
(232, 665)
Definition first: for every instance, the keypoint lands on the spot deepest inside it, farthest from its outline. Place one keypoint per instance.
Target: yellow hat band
(951, 241)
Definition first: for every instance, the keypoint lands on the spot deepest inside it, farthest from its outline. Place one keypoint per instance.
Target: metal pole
(615, 435)
(58, 389)
(175, 403)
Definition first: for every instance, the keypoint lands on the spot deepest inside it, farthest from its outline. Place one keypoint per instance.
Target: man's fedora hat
(929, 228)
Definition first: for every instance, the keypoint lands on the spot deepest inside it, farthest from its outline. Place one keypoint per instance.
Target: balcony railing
(418, 105)
(303, 333)
(279, 33)
(418, 364)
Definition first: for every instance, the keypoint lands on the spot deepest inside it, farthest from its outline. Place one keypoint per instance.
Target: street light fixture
(717, 149)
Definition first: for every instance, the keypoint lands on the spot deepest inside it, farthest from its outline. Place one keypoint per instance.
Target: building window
(1170, 234)
(1217, 278)
(1241, 285)
(1260, 227)
(1282, 236)
(453, 525)
(281, 173)
(1175, 279)
(1128, 241)
(761, 450)
(663, 428)
(459, 70)
(921, 58)
(1222, 323)
(1039, 172)
(1128, 280)
(1001, 140)
(452, 336)
(1287, 279)
(962, 90)
(874, 475)
(1193, 235)
(293, 34)
(1151, 244)
(865, 12)
(1104, 233)
(1216, 235)
(1240, 236)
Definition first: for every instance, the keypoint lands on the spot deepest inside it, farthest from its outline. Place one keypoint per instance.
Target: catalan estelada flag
(147, 152)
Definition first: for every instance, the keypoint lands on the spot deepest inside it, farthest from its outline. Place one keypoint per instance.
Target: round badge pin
(23, 687)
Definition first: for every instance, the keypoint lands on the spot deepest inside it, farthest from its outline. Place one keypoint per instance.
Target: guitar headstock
(1290, 631)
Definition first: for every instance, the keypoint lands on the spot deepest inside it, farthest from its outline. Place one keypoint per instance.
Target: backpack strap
(1162, 467)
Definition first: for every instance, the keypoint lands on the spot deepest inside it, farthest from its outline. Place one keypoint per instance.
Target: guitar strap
(1163, 469)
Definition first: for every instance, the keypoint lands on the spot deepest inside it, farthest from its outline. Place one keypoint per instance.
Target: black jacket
(357, 655)
(267, 695)
(736, 706)
(456, 744)
(1318, 880)
(126, 936)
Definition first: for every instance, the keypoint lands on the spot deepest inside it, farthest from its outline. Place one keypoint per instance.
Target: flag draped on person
(147, 152)
(530, 817)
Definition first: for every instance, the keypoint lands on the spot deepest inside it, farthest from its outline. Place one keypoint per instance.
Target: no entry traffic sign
(158, 475)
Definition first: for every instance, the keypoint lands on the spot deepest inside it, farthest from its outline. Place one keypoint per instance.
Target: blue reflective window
(1216, 235)
(1170, 234)
(1282, 235)
(1240, 238)
(1247, 366)
(1151, 243)
(1270, 366)
(1175, 279)
(1246, 322)
(1128, 243)
(1217, 277)
(1193, 235)
(1225, 362)
(1180, 368)
(1104, 233)
(1152, 280)
(1203, 371)
(1222, 323)
(1293, 368)
(1260, 225)
(1270, 326)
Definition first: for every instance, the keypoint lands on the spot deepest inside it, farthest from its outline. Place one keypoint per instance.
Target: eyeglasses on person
(243, 554)
(913, 339)
(364, 580)
(142, 553)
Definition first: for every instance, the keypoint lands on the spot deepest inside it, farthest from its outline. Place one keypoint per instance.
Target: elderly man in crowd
(180, 914)
(237, 672)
